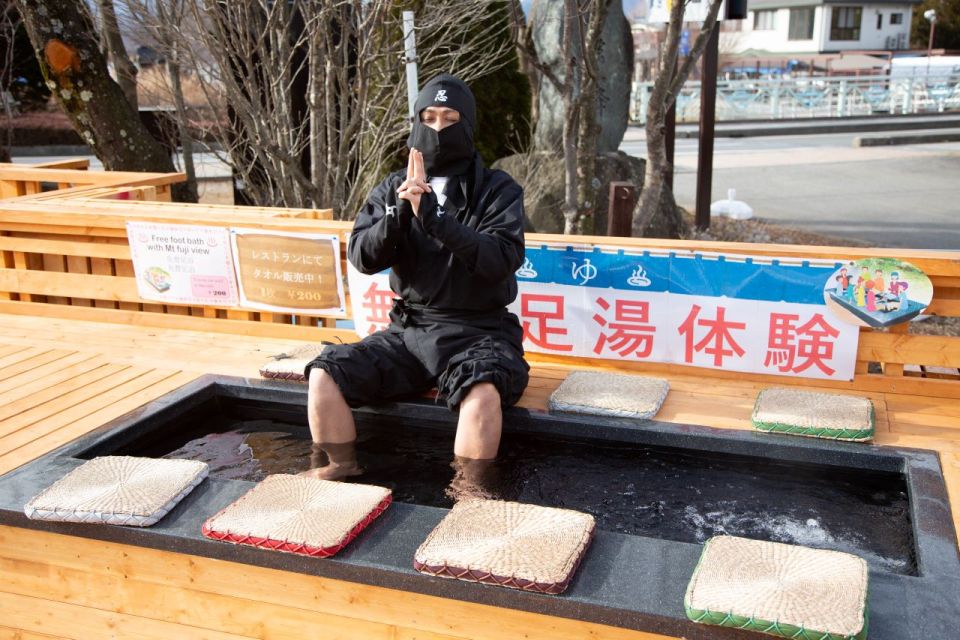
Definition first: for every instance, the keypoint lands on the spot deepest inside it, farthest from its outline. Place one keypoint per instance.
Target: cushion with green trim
(779, 589)
(814, 414)
(609, 394)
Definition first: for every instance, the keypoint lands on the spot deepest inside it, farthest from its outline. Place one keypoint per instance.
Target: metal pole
(708, 108)
(410, 44)
(670, 136)
(933, 28)
(623, 198)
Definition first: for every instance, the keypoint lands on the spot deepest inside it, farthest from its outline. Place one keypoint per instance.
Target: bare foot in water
(332, 472)
(472, 480)
(332, 461)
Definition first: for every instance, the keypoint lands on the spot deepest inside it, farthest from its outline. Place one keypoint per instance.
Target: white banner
(634, 315)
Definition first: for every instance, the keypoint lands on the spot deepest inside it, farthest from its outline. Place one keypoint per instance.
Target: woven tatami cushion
(515, 545)
(818, 415)
(118, 490)
(301, 515)
(609, 394)
(780, 589)
(290, 365)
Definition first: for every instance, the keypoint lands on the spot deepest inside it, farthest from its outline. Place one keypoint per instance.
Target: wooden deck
(78, 348)
(61, 378)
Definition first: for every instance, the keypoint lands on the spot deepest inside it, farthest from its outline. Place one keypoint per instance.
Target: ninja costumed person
(451, 231)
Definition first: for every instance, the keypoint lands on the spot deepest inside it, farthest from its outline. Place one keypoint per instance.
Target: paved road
(901, 196)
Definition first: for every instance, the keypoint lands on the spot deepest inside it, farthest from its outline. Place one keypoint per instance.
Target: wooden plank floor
(60, 379)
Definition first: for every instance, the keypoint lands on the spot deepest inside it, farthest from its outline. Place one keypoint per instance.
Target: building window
(879, 21)
(764, 20)
(801, 24)
(845, 23)
(896, 18)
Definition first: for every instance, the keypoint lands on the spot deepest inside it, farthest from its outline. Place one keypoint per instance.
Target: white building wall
(871, 38)
(776, 40)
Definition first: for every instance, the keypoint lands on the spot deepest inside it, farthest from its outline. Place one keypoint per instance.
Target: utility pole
(410, 59)
(931, 16)
(708, 109)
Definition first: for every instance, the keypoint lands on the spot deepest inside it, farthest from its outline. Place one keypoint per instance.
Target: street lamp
(931, 16)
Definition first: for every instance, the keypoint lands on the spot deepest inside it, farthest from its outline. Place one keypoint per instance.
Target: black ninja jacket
(461, 256)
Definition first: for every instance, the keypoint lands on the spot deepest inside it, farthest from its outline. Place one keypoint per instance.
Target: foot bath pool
(656, 491)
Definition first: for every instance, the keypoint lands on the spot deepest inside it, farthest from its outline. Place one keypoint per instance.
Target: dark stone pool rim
(626, 581)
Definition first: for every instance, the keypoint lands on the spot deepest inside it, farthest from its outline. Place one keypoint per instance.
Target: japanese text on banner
(738, 313)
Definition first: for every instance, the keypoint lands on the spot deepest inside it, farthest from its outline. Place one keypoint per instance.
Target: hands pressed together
(416, 183)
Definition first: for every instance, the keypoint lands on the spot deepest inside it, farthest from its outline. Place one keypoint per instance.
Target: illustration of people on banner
(877, 292)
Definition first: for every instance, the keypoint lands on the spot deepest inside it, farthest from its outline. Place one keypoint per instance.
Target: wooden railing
(69, 258)
(69, 178)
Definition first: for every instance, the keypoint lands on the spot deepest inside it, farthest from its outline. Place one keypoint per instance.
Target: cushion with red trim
(296, 514)
(520, 546)
(291, 364)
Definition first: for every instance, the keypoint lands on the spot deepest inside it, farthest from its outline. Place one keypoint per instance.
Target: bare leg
(480, 423)
(331, 428)
(329, 415)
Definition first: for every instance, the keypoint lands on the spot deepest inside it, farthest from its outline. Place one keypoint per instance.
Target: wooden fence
(68, 257)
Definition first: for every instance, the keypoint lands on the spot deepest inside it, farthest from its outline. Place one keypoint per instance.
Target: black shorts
(422, 349)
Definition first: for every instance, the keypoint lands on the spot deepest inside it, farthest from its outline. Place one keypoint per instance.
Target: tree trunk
(571, 101)
(588, 189)
(586, 157)
(65, 43)
(171, 46)
(126, 70)
(659, 216)
(183, 131)
(526, 57)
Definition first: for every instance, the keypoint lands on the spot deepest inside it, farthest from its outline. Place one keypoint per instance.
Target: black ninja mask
(450, 151)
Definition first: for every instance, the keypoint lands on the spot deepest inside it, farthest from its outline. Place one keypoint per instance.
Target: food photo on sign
(877, 292)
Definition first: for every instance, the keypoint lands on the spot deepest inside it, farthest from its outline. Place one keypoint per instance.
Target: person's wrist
(430, 213)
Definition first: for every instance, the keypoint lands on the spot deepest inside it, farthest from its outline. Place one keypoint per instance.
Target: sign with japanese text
(732, 312)
(288, 272)
(182, 264)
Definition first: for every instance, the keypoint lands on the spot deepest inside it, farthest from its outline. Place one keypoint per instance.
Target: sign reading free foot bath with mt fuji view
(734, 312)
(182, 264)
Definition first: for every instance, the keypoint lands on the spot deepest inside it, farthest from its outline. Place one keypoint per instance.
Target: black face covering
(447, 152)
(450, 151)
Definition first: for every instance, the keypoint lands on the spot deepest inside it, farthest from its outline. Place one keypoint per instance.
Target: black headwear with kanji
(450, 151)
